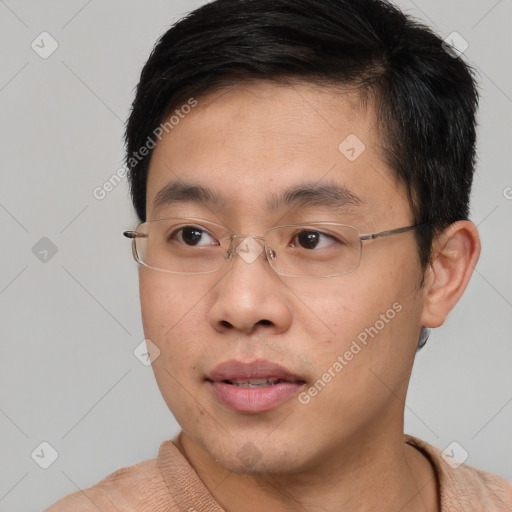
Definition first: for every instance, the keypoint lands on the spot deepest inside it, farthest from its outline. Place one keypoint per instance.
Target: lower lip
(253, 400)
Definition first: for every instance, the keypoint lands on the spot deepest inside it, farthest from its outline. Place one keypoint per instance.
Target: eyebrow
(180, 192)
(329, 195)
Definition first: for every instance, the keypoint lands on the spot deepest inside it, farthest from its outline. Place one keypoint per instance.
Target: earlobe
(455, 254)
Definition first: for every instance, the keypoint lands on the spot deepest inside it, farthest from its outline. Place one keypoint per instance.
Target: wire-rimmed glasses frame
(343, 257)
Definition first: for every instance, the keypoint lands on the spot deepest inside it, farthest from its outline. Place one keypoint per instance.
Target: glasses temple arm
(372, 236)
(134, 234)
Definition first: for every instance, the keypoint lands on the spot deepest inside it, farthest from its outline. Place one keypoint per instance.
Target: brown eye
(310, 239)
(193, 236)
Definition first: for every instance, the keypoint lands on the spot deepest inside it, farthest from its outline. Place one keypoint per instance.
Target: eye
(309, 239)
(193, 236)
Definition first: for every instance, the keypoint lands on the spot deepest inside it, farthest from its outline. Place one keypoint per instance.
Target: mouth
(253, 383)
(253, 387)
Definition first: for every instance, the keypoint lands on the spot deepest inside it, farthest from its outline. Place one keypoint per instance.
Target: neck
(362, 475)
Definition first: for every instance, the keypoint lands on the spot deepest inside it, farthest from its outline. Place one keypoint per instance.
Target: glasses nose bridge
(248, 247)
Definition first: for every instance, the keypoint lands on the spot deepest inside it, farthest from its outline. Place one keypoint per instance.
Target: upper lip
(259, 369)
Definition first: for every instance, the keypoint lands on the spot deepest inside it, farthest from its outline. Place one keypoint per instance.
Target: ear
(455, 254)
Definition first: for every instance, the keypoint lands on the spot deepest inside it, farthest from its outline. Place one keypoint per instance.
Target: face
(331, 356)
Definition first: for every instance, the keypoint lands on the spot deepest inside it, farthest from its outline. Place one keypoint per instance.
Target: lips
(253, 387)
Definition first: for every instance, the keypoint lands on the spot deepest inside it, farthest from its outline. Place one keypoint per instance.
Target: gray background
(70, 323)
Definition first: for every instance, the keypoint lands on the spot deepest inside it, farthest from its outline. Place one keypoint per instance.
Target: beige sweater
(169, 484)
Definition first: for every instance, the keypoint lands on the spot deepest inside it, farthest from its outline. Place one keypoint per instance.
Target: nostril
(265, 322)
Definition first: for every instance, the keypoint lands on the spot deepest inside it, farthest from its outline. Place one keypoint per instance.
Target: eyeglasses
(195, 246)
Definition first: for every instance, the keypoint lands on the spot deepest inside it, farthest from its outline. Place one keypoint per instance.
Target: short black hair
(426, 96)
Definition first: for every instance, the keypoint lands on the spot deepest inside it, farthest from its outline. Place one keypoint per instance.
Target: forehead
(253, 141)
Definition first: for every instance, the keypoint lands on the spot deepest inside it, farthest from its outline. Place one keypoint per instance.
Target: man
(302, 172)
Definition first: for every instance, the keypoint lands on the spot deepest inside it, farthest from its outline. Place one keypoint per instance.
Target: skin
(344, 450)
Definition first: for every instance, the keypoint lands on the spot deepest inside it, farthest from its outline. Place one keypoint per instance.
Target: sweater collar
(460, 490)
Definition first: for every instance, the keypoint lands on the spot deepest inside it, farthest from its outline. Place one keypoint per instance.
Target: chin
(257, 454)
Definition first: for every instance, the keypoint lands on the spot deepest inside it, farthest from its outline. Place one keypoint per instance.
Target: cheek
(364, 360)
(370, 322)
(173, 313)
(337, 310)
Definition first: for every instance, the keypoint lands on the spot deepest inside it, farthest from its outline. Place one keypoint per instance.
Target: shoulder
(464, 488)
(139, 488)
(165, 484)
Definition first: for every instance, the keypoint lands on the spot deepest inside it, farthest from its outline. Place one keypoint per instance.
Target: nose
(251, 296)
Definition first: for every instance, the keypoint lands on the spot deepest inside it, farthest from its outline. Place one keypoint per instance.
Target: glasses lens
(314, 250)
(180, 246)
(189, 246)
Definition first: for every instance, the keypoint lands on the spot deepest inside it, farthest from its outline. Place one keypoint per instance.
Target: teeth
(253, 383)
